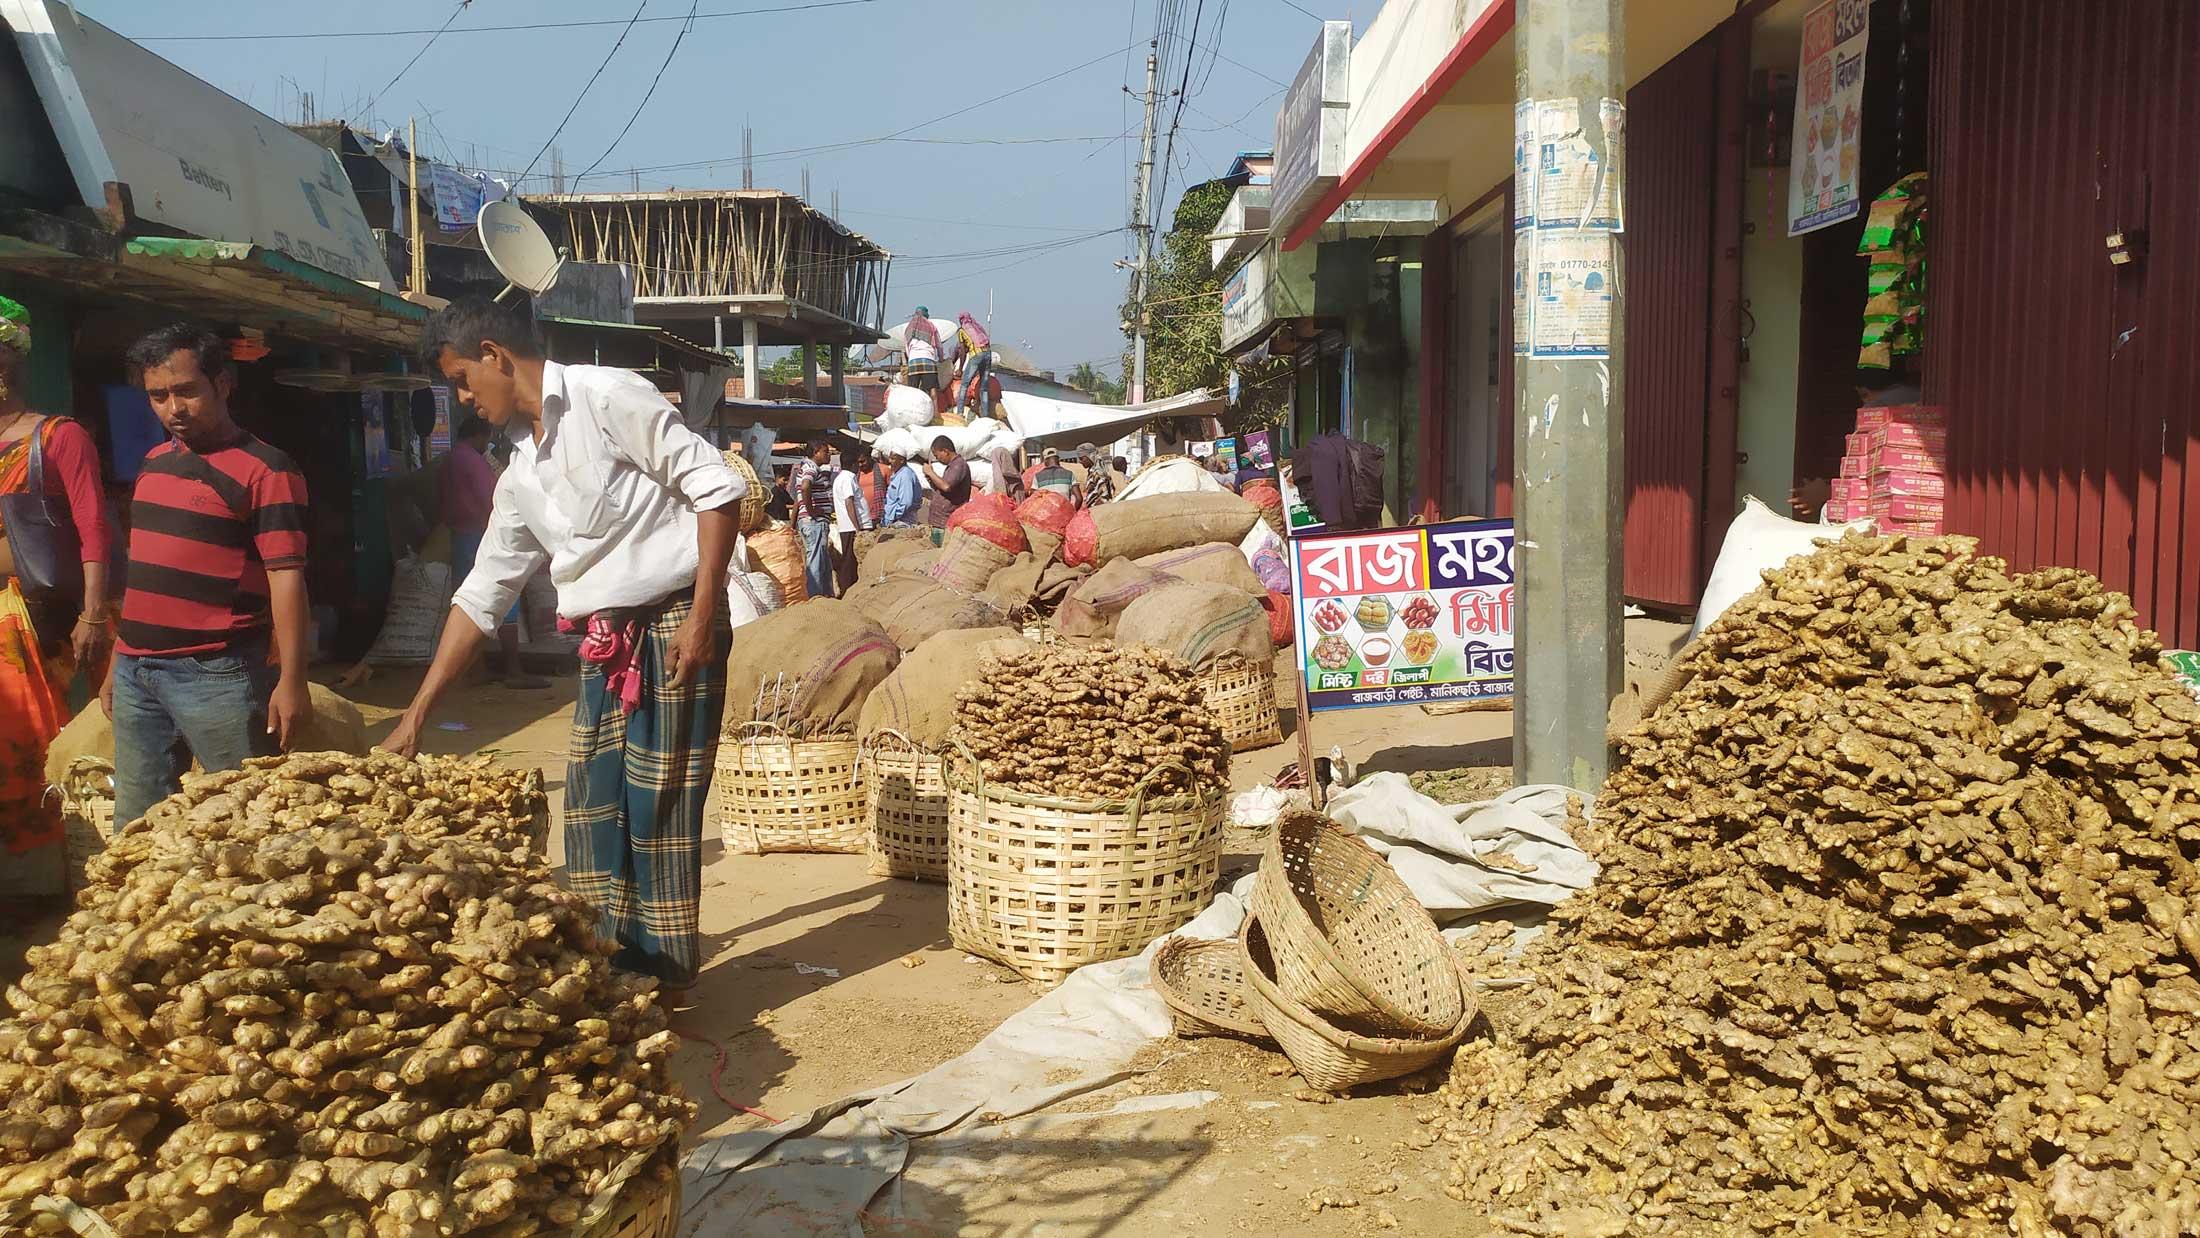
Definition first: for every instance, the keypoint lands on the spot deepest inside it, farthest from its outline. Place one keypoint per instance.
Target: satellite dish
(518, 248)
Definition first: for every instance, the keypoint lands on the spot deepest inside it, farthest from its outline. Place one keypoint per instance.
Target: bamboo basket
(87, 814)
(1047, 885)
(1350, 941)
(750, 516)
(1203, 983)
(905, 802)
(640, 1209)
(782, 794)
(1327, 1056)
(1242, 695)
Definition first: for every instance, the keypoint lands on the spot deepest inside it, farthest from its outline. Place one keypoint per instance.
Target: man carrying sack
(635, 514)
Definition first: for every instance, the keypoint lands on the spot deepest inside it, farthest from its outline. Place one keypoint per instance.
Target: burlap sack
(1219, 563)
(1011, 588)
(808, 668)
(337, 726)
(918, 699)
(1045, 547)
(912, 609)
(893, 552)
(1055, 584)
(1199, 622)
(967, 561)
(1131, 528)
(1092, 608)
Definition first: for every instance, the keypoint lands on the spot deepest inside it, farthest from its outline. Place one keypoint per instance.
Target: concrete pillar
(752, 381)
(809, 371)
(837, 363)
(1568, 501)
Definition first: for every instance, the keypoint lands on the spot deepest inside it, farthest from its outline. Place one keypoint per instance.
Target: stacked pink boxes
(1895, 470)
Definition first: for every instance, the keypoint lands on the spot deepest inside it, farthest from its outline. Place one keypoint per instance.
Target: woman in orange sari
(53, 530)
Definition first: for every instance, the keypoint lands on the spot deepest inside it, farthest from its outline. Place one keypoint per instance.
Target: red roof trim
(1493, 25)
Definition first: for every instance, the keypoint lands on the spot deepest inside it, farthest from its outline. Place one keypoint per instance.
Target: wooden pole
(412, 173)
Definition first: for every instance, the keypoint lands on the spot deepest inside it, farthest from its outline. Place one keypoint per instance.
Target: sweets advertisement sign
(1829, 117)
(1405, 616)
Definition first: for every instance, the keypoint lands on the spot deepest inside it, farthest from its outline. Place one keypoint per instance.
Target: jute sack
(1092, 608)
(1199, 622)
(918, 699)
(337, 726)
(807, 668)
(1011, 588)
(1129, 529)
(967, 562)
(1218, 563)
(777, 550)
(1055, 584)
(912, 609)
(1045, 547)
(889, 550)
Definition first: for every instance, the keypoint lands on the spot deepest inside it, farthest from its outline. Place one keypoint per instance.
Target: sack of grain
(912, 609)
(908, 550)
(807, 667)
(412, 623)
(1199, 622)
(1045, 515)
(992, 517)
(1129, 529)
(918, 699)
(1011, 588)
(749, 596)
(1092, 608)
(967, 561)
(1056, 583)
(1218, 563)
(777, 550)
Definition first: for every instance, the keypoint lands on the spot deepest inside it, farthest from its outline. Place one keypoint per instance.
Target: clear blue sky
(959, 216)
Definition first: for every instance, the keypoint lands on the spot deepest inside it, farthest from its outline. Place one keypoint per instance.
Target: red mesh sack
(1047, 510)
(1262, 492)
(1278, 606)
(1080, 540)
(992, 517)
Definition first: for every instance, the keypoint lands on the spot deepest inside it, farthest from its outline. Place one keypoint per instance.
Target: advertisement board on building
(193, 158)
(1405, 616)
(1310, 128)
(1827, 158)
(1245, 300)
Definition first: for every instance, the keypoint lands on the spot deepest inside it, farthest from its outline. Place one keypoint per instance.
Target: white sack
(1758, 542)
(1170, 477)
(901, 442)
(750, 595)
(1459, 858)
(905, 406)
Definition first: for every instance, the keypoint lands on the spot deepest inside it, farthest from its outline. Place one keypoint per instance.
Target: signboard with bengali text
(1405, 616)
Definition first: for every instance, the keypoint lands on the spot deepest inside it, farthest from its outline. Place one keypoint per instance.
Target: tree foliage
(1104, 389)
(1184, 301)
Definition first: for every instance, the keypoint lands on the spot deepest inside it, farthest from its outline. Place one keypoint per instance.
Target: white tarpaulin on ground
(1462, 858)
(1063, 424)
(829, 1171)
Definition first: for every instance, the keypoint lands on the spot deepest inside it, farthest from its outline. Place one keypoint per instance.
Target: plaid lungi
(634, 791)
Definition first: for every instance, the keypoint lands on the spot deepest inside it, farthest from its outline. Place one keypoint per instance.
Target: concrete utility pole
(419, 272)
(1142, 229)
(1568, 503)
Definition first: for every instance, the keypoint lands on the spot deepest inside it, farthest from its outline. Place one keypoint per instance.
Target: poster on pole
(1572, 300)
(1525, 153)
(1405, 616)
(1826, 163)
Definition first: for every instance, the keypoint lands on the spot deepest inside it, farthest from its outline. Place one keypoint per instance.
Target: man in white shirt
(635, 515)
(851, 515)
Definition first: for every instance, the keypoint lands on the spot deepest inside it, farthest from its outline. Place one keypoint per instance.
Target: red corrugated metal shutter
(1668, 256)
(2071, 384)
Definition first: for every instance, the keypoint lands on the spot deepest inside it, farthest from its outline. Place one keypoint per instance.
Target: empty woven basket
(1327, 1056)
(1204, 984)
(1351, 942)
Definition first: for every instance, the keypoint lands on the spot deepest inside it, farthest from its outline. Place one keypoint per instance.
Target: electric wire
(547, 25)
(583, 94)
(647, 95)
(456, 9)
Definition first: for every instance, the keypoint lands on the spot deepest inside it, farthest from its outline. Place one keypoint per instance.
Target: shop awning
(223, 281)
(1057, 422)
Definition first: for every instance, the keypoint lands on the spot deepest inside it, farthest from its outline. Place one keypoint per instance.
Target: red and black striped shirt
(204, 530)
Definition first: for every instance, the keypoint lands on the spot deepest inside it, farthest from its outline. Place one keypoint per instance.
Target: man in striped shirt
(217, 564)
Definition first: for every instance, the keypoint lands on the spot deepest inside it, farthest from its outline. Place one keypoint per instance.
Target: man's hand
(289, 709)
(694, 647)
(86, 642)
(404, 738)
(1809, 497)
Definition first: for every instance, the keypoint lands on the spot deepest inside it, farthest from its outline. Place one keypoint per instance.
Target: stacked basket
(1337, 962)
(905, 802)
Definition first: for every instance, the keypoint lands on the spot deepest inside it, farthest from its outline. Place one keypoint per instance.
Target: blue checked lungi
(635, 786)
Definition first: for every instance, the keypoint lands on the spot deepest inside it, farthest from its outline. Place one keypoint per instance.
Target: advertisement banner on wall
(1310, 128)
(1227, 450)
(1258, 451)
(1829, 117)
(1405, 616)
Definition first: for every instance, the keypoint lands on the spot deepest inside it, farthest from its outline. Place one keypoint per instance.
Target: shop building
(2061, 151)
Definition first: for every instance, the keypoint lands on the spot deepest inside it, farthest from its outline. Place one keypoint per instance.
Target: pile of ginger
(333, 996)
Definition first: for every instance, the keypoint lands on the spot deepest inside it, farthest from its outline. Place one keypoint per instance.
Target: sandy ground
(823, 980)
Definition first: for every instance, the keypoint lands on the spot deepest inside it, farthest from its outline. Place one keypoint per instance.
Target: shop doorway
(1478, 380)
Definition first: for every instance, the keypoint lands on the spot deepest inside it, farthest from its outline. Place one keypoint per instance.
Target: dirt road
(822, 980)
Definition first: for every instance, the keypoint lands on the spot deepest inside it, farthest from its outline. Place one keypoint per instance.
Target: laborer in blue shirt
(904, 490)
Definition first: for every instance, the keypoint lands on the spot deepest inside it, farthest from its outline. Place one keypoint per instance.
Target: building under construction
(706, 260)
